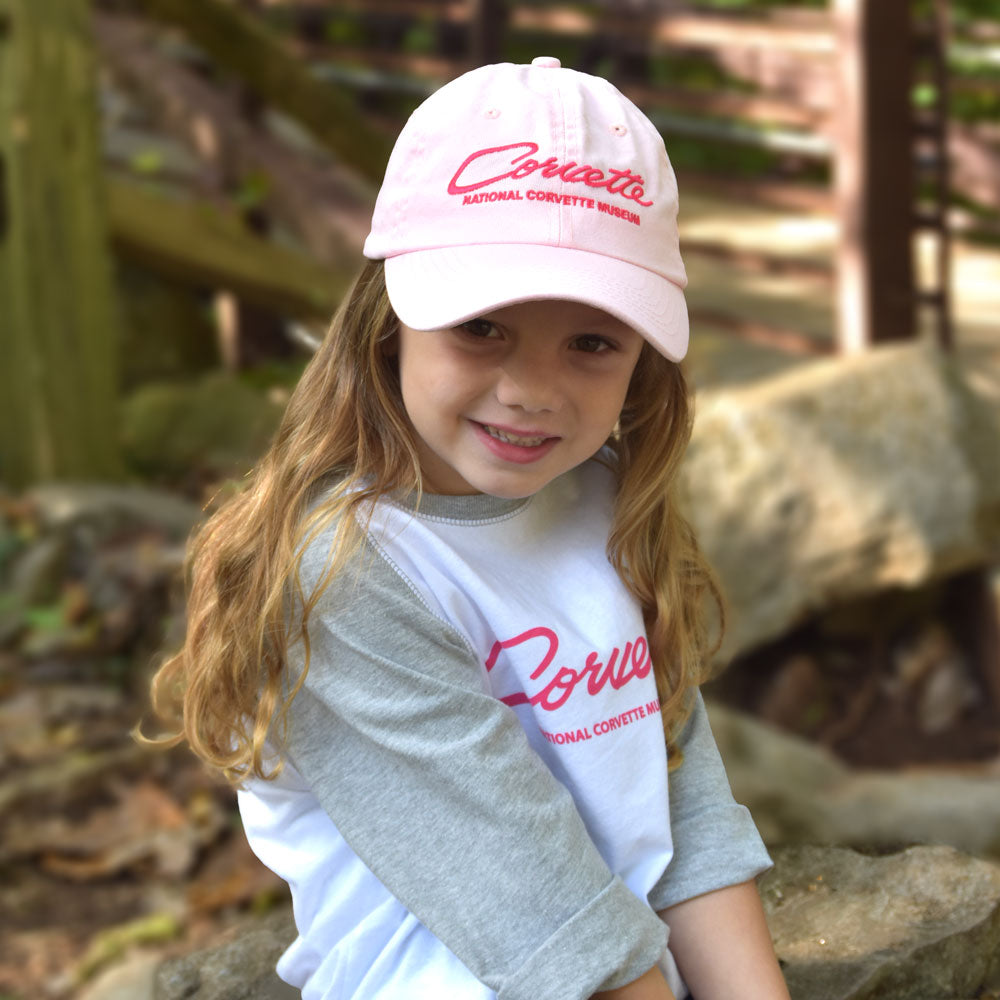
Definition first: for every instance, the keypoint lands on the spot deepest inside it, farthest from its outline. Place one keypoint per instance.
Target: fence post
(486, 24)
(873, 167)
(58, 318)
(931, 34)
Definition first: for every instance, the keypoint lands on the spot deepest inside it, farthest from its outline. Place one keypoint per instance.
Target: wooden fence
(826, 90)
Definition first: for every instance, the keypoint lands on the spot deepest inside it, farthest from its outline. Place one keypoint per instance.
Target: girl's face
(505, 403)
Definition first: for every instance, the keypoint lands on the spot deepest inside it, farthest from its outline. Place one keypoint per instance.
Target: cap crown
(530, 154)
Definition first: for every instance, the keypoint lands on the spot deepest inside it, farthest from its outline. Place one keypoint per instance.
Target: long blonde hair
(225, 690)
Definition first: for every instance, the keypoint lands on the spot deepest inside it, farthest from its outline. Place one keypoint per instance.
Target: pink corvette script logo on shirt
(479, 170)
(621, 666)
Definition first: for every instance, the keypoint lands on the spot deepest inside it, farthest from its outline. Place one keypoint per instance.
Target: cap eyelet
(618, 130)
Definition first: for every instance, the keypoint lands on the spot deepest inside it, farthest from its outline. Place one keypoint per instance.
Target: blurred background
(185, 186)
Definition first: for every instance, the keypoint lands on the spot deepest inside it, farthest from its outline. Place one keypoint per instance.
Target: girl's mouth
(508, 438)
(521, 449)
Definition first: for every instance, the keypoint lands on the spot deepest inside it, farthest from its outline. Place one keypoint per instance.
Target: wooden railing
(787, 70)
(802, 88)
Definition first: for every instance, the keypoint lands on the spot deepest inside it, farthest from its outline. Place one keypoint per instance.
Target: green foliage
(274, 375)
(48, 618)
(421, 37)
(344, 29)
(963, 10)
(524, 46)
(253, 190)
(697, 72)
(976, 106)
(146, 161)
(705, 156)
(10, 545)
(924, 95)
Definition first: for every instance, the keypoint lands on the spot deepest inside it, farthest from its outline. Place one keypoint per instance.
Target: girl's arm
(651, 986)
(722, 946)
(716, 843)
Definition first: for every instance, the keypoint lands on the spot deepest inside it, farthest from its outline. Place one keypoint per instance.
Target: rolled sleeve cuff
(614, 931)
(727, 851)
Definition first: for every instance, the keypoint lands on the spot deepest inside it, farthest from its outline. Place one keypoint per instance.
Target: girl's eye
(591, 343)
(479, 328)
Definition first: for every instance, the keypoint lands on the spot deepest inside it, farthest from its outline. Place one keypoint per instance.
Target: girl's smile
(516, 446)
(505, 403)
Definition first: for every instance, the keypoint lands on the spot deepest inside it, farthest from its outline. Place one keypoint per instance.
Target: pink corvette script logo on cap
(614, 181)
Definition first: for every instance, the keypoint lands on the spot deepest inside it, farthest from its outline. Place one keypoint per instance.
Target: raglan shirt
(475, 800)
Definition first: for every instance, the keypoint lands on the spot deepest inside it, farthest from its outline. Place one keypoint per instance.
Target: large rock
(801, 794)
(215, 426)
(240, 969)
(100, 509)
(923, 924)
(841, 478)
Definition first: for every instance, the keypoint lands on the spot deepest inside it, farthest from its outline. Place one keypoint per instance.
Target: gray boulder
(240, 969)
(101, 508)
(841, 478)
(923, 924)
(800, 793)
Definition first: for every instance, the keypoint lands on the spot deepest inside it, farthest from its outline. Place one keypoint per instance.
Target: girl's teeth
(524, 442)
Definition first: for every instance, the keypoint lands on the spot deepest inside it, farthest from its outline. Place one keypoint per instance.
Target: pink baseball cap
(516, 182)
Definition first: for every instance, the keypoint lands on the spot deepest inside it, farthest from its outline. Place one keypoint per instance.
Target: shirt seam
(462, 521)
(412, 587)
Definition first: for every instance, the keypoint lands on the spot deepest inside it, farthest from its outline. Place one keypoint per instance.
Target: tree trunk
(58, 320)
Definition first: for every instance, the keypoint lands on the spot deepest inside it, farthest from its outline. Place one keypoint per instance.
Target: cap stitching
(560, 214)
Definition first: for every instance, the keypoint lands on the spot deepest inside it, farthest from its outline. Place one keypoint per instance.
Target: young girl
(442, 636)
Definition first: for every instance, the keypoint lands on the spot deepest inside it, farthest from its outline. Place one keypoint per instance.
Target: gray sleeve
(716, 843)
(433, 784)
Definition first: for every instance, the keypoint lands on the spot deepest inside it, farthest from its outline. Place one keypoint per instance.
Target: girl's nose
(529, 384)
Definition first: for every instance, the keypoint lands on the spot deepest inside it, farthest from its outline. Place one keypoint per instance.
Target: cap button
(546, 62)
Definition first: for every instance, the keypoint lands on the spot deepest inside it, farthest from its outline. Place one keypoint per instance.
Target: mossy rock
(215, 427)
(169, 331)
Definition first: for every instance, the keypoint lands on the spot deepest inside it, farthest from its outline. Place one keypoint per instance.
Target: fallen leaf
(144, 826)
(233, 876)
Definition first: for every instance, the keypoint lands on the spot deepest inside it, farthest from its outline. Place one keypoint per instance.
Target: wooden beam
(809, 35)
(781, 195)
(452, 10)
(727, 104)
(394, 72)
(243, 46)
(798, 143)
(325, 205)
(759, 261)
(369, 70)
(201, 245)
(762, 334)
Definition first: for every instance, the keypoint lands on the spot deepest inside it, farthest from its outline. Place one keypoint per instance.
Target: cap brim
(436, 288)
